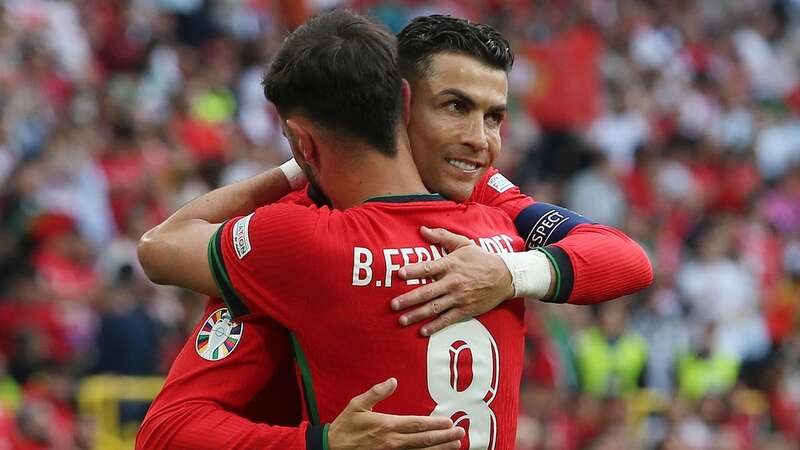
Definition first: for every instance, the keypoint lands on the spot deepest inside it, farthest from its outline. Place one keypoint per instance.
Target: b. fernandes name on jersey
(395, 258)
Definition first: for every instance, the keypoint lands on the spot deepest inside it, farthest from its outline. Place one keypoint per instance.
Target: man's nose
(474, 134)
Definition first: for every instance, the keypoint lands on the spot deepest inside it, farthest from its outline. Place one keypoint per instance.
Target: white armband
(294, 174)
(530, 273)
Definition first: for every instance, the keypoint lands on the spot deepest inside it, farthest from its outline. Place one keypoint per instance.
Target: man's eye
(455, 107)
(494, 119)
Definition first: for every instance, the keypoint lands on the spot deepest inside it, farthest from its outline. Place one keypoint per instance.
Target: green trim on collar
(406, 198)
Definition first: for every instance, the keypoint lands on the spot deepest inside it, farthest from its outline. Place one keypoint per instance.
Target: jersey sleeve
(260, 261)
(596, 263)
(199, 408)
(593, 262)
(496, 190)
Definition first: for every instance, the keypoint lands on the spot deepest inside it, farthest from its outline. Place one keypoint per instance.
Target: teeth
(463, 165)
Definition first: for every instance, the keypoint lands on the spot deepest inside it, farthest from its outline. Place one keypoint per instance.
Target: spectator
(611, 358)
(706, 371)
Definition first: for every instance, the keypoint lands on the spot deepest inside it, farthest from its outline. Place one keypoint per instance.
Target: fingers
(450, 241)
(442, 439)
(428, 310)
(448, 446)
(416, 424)
(374, 395)
(419, 295)
(429, 269)
(448, 318)
(424, 269)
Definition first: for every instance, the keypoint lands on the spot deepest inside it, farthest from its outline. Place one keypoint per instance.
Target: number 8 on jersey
(463, 373)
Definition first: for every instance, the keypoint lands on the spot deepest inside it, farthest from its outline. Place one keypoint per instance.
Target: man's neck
(372, 174)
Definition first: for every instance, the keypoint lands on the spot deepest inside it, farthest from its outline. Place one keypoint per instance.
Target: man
(431, 55)
(342, 121)
(458, 104)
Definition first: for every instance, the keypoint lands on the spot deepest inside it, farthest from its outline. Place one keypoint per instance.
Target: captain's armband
(542, 224)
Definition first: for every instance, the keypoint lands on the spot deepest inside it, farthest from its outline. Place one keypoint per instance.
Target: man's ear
(303, 143)
(406, 102)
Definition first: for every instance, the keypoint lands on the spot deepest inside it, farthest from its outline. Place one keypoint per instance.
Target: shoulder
(493, 182)
(270, 227)
(293, 213)
(496, 190)
(497, 181)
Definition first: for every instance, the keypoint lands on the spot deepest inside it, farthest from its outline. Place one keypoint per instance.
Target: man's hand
(357, 427)
(468, 282)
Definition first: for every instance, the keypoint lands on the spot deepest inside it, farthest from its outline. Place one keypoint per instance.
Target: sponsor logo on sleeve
(500, 183)
(241, 236)
(219, 336)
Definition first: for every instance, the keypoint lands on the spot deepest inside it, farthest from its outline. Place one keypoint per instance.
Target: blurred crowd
(676, 121)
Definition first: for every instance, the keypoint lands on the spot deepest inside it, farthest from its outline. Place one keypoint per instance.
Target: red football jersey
(199, 397)
(329, 276)
(220, 392)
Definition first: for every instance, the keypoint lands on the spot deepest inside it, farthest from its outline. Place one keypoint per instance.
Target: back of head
(426, 36)
(340, 71)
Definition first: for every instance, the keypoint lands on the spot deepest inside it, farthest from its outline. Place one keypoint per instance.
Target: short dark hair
(340, 70)
(426, 36)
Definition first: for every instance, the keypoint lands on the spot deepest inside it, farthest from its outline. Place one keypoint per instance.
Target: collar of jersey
(406, 198)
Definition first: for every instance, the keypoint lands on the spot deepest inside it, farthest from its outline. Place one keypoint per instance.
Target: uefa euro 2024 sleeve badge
(219, 336)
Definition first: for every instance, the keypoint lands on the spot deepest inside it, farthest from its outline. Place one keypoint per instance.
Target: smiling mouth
(463, 165)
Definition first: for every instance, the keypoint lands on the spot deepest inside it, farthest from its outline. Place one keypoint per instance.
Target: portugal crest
(219, 336)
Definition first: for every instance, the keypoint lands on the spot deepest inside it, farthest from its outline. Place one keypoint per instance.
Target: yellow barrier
(99, 399)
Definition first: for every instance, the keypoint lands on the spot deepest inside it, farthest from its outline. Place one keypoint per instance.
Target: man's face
(457, 108)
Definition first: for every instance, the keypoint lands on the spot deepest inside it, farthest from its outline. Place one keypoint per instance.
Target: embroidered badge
(500, 183)
(219, 336)
(241, 236)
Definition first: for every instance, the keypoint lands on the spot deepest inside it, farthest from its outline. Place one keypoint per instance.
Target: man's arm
(207, 426)
(471, 281)
(570, 260)
(180, 241)
(200, 408)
